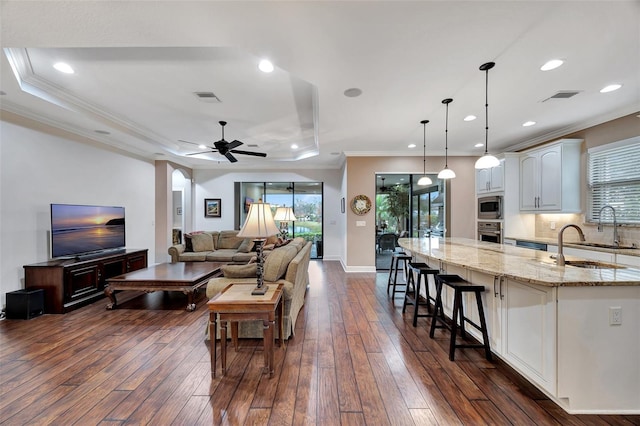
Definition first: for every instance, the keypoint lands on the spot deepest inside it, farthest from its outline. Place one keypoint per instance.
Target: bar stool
(412, 291)
(396, 258)
(459, 286)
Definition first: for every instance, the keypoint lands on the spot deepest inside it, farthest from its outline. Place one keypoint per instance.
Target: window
(614, 180)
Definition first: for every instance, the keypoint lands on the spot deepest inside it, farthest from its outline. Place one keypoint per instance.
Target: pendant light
(424, 180)
(446, 173)
(487, 160)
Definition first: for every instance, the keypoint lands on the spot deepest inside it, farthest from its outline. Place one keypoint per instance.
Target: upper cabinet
(490, 180)
(550, 178)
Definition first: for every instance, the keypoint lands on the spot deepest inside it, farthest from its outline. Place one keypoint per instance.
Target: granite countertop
(522, 264)
(576, 244)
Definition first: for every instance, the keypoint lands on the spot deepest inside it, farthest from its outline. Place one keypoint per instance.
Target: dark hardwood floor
(354, 360)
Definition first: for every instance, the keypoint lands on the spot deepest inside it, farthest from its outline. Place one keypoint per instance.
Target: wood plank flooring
(354, 360)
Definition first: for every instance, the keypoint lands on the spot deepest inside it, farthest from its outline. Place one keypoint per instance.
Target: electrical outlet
(552, 225)
(615, 315)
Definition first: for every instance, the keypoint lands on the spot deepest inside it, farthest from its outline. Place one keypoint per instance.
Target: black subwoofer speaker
(25, 304)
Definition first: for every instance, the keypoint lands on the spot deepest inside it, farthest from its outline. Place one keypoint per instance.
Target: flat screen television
(78, 230)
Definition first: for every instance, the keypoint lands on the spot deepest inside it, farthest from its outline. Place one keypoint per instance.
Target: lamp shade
(284, 214)
(446, 173)
(259, 223)
(487, 161)
(424, 180)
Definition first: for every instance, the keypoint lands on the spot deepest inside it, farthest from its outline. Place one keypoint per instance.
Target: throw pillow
(246, 246)
(277, 262)
(188, 245)
(240, 271)
(202, 242)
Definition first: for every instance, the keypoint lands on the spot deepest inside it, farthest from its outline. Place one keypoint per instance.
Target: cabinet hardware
(495, 293)
(501, 294)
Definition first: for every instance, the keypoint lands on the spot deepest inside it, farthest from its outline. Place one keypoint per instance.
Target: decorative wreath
(360, 205)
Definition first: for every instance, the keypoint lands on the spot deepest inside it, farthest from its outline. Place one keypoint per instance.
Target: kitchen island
(572, 331)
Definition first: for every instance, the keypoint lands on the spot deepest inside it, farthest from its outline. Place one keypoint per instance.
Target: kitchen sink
(608, 246)
(592, 264)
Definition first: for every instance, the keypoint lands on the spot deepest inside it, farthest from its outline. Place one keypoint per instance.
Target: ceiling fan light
(487, 161)
(424, 180)
(446, 173)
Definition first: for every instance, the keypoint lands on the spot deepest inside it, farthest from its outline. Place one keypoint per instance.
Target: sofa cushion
(239, 271)
(222, 255)
(246, 246)
(202, 242)
(190, 256)
(276, 263)
(229, 240)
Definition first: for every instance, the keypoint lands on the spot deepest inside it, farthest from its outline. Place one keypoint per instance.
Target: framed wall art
(212, 207)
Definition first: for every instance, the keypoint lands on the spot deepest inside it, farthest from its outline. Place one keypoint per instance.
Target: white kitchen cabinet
(509, 242)
(529, 331)
(490, 180)
(550, 178)
(492, 305)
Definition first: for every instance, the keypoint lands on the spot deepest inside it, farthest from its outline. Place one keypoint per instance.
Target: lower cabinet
(70, 284)
(529, 331)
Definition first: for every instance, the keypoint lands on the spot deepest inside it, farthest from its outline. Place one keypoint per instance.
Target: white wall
(37, 169)
(220, 184)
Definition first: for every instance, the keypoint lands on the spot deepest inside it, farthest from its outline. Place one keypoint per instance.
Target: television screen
(77, 229)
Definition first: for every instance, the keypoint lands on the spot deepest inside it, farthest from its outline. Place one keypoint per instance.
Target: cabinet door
(81, 282)
(137, 261)
(491, 299)
(496, 177)
(529, 339)
(482, 180)
(528, 182)
(550, 176)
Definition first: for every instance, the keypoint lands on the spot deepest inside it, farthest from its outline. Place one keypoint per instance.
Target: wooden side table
(235, 303)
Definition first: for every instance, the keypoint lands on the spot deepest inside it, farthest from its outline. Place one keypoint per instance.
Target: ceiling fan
(382, 187)
(226, 148)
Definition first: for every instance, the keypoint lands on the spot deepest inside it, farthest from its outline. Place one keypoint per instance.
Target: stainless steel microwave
(490, 207)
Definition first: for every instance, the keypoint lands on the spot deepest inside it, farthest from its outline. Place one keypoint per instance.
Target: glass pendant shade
(446, 173)
(424, 180)
(487, 161)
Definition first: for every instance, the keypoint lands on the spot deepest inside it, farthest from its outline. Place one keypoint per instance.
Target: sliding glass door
(304, 197)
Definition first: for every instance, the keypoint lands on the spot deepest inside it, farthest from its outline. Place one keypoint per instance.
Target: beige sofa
(216, 246)
(288, 265)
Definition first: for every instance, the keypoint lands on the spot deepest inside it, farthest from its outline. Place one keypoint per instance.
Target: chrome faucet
(560, 256)
(616, 240)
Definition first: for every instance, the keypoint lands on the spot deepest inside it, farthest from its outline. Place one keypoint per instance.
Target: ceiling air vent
(207, 97)
(252, 145)
(563, 94)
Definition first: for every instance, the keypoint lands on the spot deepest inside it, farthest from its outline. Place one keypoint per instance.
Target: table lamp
(259, 225)
(284, 215)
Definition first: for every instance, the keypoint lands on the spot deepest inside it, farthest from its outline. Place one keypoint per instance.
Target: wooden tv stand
(70, 284)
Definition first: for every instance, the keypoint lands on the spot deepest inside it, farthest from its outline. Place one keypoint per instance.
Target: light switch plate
(361, 223)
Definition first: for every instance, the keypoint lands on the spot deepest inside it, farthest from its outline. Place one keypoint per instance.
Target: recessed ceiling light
(479, 145)
(528, 123)
(470, 118)
(411, 145)
(202, 146)
(294, 146)
(354, 92)
(62, 67)
(552, 64)
(610, 88)
(265, 65)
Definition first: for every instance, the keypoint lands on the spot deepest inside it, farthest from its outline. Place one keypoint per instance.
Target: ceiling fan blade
(203, 152)
(255, 154)
(230, 157)
(236, 143)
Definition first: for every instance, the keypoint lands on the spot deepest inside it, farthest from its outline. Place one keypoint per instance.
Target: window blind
(614, 180)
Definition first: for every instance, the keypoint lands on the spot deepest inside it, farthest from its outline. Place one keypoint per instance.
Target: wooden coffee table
(235, 303)
(186, 277)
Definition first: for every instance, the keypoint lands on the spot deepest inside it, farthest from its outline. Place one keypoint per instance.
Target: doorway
(406, 209)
